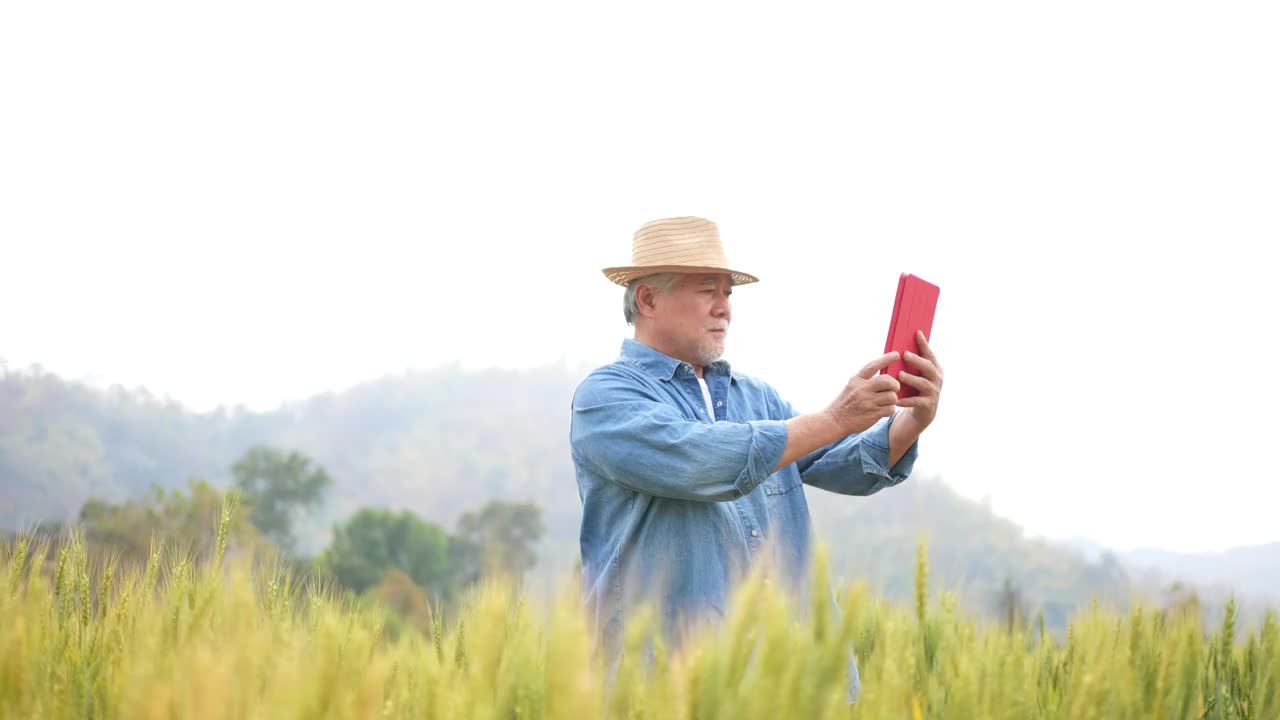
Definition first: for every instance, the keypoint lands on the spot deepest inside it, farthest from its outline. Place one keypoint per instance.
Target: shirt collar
(661, 365)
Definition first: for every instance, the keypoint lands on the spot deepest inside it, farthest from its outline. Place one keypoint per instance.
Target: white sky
(255, 201)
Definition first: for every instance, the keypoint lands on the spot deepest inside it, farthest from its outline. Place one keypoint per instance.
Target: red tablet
(912, 311)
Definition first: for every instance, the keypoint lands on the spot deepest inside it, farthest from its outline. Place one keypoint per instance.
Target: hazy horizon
(257, 202)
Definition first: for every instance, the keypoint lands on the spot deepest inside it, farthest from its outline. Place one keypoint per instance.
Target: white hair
(660, 282)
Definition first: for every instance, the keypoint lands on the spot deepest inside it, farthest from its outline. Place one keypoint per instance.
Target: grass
(221, 639)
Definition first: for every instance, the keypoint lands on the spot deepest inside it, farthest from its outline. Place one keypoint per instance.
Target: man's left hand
(927, 382)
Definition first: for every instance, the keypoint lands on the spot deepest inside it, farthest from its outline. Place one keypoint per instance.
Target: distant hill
(61, 442)
(1252, 570)
(971, 550)
(436, 442)
(1091, 549)
(445, 441)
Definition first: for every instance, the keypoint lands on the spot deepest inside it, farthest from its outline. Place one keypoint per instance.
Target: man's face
(693, 317)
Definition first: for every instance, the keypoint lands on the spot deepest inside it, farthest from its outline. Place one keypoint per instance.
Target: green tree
(278, 486)
(498, 539)
(184, 521)
(374, 542)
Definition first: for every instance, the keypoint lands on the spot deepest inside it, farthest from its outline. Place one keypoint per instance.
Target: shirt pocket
(781, 483)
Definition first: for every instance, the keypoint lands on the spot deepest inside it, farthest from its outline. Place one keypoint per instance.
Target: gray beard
(709, 355)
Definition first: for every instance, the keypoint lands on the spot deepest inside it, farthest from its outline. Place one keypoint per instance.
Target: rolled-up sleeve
(858, 464)
(635, 439)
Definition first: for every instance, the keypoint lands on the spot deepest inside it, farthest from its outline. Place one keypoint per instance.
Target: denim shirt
(678, 506)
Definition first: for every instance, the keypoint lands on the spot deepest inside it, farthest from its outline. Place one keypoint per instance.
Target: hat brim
(625, 274)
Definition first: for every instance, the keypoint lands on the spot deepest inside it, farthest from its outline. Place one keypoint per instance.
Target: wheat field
(222, 639)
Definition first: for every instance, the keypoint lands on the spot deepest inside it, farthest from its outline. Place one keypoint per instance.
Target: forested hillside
(441, 442)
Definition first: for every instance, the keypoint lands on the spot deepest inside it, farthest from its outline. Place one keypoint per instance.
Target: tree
(183, 521)
(277, 486)
(498, 539)
(1011, 606)
(400, 593)
(374, 542)
(1183, 601)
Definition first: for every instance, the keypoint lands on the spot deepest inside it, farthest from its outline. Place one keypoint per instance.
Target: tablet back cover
(913, 310)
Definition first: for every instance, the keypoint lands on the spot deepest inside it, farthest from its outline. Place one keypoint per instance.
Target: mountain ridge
(439, 442)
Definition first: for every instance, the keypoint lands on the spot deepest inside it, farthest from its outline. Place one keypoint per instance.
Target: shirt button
(719, 403)
(755, 533)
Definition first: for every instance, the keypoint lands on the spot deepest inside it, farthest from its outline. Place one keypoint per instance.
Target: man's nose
(723, 309)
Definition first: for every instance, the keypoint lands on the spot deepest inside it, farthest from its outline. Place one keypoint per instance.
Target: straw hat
(679, 244)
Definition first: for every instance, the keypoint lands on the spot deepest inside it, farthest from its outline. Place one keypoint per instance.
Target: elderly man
(692, 473)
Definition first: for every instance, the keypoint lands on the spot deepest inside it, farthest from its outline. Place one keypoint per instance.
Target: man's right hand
(866, 398)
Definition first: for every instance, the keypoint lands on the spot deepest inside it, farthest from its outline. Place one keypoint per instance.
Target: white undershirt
(706, 396)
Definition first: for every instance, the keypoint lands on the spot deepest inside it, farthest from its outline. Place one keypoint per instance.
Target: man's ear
(646, 299)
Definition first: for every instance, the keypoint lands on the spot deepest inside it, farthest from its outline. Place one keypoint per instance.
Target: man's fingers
(923, 342)
(889, 397)
(926, 367)
(914, 381)
(926, 352)
(882, 383)
(913, 401)
(919, 383)
(877, 365)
